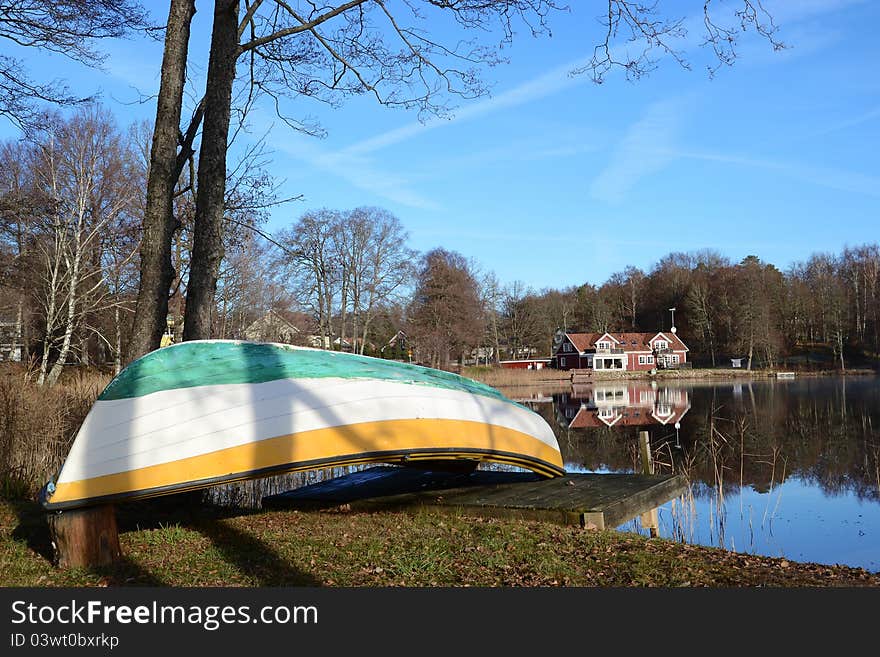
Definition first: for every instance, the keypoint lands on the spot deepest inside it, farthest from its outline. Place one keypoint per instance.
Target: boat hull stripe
(387, 440)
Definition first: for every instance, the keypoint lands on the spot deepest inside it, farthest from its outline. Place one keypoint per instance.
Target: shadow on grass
(252, 556)
(33, 530)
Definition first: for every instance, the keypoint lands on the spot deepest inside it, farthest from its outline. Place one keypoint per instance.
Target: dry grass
(37, 425)
(499, 376)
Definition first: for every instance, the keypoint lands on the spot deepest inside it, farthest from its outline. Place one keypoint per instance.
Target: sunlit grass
(282, 548)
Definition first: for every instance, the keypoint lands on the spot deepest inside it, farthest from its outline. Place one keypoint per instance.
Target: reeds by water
(38, 425)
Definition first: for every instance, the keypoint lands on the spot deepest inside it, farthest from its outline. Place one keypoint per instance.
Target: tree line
(71, 222)
(826, 308)
(266, 51)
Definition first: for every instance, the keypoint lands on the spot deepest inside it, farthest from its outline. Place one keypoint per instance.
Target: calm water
(785, 468)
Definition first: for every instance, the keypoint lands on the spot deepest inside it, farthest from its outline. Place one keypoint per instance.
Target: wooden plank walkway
(592, 501)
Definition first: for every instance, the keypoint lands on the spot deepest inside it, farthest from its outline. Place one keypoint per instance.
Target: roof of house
(627, 341)
(583, 341)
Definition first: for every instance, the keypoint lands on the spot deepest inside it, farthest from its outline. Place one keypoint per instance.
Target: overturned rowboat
(202, 413)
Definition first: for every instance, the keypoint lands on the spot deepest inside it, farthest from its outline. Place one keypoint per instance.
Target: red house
(618, 351)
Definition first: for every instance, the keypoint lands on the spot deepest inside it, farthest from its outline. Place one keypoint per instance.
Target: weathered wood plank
(589, 500)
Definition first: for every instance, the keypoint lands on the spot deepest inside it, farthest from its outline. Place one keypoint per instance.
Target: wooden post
(84, 538)
(645, 453)
(649, 519)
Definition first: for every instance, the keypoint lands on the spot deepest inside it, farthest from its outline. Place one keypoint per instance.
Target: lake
(783, 468)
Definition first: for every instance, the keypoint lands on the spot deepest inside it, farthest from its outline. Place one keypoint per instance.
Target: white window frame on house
(643, 360)
(603, 345)
(661, 344)
(650, 360)
(675, 359)
(562, 361)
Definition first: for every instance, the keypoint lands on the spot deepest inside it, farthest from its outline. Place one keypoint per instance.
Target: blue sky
(556, 181)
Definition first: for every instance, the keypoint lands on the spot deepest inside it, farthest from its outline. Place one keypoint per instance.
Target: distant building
(618, 351)
(10, 341)
(397, 347)
(278, 326)
(526, 364)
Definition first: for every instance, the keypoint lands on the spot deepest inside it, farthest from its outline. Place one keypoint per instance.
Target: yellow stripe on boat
(428, 438)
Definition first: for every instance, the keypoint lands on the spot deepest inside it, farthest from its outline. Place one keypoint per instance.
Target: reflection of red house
(618, 351)
(626, 404)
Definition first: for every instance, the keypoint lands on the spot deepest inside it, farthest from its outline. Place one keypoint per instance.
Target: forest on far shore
(71, 216)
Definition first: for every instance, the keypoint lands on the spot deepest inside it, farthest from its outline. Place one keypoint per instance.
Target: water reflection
(782, 468)
(621, 405)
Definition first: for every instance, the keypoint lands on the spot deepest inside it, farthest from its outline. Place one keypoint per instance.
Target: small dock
(592, 501)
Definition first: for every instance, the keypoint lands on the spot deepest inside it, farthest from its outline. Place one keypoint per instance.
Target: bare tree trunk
(210, 195)
(16, 337)
(343, 305)
(159, 223)
(751, 348)
(223, 316)
(70, 321)
(117, 356)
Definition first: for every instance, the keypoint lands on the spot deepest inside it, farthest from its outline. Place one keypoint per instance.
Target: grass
(164, 546)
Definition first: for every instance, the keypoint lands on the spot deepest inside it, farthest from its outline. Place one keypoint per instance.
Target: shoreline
(509, 377)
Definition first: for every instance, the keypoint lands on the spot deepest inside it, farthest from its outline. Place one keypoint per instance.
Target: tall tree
(210, 195)
(82, 167)
(445, 317)
(165, 168)
(309, 257)
(381, 266)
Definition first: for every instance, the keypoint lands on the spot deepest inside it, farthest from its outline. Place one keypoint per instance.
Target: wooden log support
(645, 453)
(85, 538)
(649, 519)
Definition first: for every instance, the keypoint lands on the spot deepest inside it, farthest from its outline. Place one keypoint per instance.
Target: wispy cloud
(357, 165)
(865, 117)
(844, 181)
(360, 172)
(647, 147)
(542, 86)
